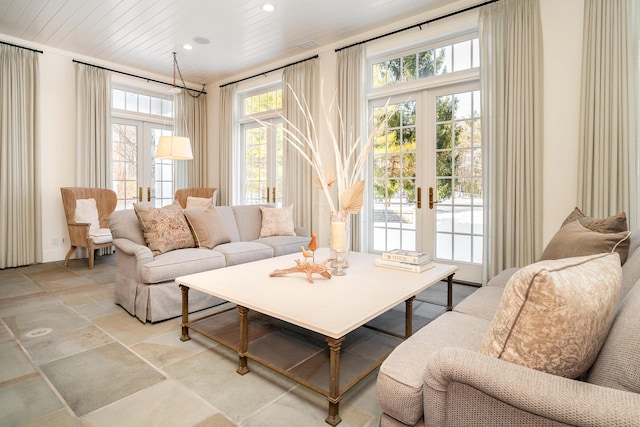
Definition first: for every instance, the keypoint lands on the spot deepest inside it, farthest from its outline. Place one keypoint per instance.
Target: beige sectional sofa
(145, 284)
(440, 376)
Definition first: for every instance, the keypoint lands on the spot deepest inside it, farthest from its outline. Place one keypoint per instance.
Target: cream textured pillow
(574, 240)
(199, 202)
(207, 227)
(164, 229)
(555, 315)
(87, 212)
(277, 221)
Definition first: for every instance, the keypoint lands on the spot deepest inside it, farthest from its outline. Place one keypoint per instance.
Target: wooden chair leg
(66, 259)
(92, 254)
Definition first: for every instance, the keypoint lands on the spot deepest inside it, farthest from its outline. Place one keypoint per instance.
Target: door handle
(273, 194)
(148, 194)
(431, 202)
(140, 194)
(268, 195)
(419, 201)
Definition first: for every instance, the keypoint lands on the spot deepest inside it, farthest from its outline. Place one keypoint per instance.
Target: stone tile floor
(71, 357)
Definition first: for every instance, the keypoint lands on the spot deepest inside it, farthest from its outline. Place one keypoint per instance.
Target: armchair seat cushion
(403, 373)
(169, 265)
(100, 236)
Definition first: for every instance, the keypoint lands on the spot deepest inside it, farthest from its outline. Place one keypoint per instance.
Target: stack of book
(399, 259)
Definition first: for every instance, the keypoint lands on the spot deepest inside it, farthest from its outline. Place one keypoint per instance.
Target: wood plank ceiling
(142, 33)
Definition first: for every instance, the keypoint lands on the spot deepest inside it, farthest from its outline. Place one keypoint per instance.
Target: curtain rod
(270, 71)
(140, 77)
(418, 25)
(21, 47)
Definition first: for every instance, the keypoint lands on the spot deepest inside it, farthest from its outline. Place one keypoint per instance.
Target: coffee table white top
(332, 307)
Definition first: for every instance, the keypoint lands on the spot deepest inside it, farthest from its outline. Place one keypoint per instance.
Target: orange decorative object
(313, 244)
(306, 267)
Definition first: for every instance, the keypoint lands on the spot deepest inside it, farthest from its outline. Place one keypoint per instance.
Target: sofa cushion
(207, 227)
(165, 229)
(618, 361)
(277, 221)
(612, 224)
(482, 303)
(170, 265)
(229, 220)
(241, 252)
(573, 240)
(554, 315)
(283, 245)
(249, 220)
(402, 374)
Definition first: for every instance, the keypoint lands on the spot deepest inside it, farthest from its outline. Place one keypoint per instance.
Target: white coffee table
(331, 307)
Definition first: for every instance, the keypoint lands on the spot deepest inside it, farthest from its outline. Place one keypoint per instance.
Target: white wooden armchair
(183, 194)
(87, 212)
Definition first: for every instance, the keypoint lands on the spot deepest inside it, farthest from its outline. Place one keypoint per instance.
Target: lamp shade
(174, 148)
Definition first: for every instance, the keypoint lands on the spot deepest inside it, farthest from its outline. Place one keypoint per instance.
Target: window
(260, 150)
(138, 121)
(426, 63)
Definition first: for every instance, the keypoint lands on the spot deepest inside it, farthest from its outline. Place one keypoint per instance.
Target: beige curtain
(301, 79)
(350, 99)
(20, 210)
(511, 84)
(93, 133)
(191, 121)
(607, 180)
(226, 137)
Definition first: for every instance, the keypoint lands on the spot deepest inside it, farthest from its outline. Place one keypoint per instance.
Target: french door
(137, 175)
(427, 177)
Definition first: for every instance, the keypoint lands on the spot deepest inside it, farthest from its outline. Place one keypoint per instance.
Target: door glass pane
(459, 177)
(394, 172)
(161, 172)
(255, 163)
(124, 140)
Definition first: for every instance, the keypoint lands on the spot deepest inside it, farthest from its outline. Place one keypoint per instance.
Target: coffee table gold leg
(408, 317)
(450, 293)
(244, 341)
(334, 381)
(185, 313)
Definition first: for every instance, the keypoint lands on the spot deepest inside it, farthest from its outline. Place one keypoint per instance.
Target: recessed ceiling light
(267, 7)
(187, 46)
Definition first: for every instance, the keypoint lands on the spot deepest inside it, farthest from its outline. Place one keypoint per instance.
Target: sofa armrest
(301, 231)
(522, 394)
(500, 280)
(142, 253)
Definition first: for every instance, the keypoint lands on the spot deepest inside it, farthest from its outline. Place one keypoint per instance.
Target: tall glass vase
(340, 242)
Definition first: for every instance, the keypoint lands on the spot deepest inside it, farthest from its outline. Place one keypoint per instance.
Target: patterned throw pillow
(555, 315)
(207, 227)
(165, 229)
(277, 221)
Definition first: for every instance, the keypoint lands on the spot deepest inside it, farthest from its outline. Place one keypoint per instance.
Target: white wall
(562, 36)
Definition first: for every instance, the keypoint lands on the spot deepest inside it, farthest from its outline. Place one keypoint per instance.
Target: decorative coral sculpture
(308, 268)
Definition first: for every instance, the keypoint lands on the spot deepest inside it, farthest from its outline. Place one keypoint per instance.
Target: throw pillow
(207, 227)
(277, 221)
(575, 240)
(164, 229)
(555, 315)
(199, 202)
(87, 213)
(613, 224)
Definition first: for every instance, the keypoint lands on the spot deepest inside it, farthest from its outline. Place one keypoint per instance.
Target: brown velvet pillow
(207, 227)
(613, 224)
(574, 240)
(164, 229)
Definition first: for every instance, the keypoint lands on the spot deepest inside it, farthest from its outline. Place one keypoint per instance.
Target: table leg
(244, 340)
(408, 317)
(450, 293)
(185, 313)
(334, 381)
